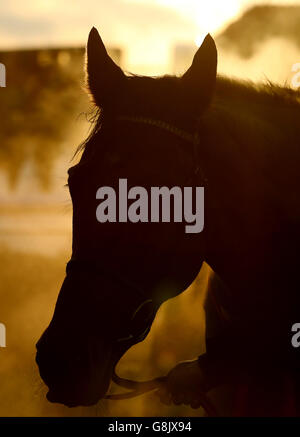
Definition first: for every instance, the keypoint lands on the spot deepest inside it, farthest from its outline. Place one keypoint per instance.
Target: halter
(186, 136)
(138, 388)
(192, 138)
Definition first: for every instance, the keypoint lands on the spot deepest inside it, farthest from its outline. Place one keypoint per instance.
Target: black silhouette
(247, 158)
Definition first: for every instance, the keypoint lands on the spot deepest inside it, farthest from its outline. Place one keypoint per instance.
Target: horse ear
(104, 77)
(200, 78)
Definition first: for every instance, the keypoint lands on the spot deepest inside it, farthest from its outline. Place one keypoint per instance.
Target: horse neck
(251, 131)
(251, 160)
(269, 114)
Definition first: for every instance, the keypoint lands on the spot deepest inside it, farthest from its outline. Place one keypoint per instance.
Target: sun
(209, 17)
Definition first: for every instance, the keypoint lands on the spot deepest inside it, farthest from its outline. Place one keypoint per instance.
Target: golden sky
(146, 30)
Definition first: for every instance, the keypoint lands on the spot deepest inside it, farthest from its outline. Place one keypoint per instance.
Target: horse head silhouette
(120, 273)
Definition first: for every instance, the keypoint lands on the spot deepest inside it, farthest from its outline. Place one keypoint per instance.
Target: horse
(238, 140)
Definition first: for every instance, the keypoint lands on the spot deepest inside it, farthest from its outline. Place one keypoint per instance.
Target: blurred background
(44, 117)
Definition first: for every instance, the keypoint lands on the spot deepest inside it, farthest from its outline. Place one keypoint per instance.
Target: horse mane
(262, 92)
(231, 89)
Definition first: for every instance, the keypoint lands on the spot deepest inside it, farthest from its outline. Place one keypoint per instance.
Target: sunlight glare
(210, 17)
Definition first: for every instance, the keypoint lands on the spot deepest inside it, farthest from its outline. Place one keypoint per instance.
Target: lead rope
(140, 388)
